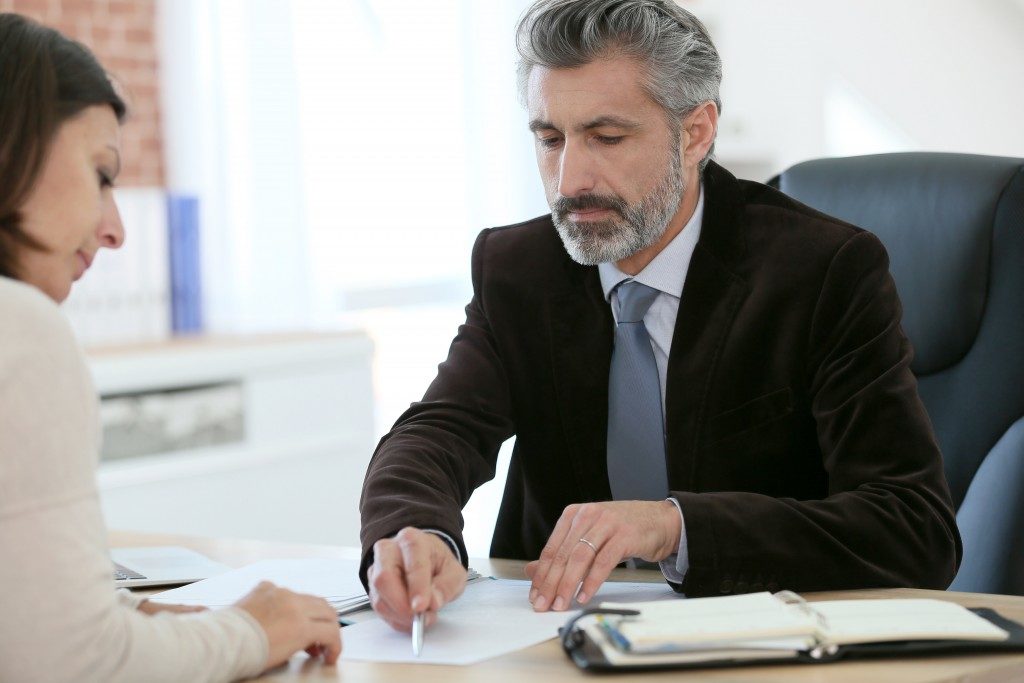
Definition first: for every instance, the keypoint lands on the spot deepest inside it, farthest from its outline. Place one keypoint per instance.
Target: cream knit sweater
(60, 617)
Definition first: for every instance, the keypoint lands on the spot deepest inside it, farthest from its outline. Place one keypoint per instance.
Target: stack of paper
(337, 581)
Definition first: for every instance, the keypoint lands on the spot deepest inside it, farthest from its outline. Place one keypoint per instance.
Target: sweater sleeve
(62, 619)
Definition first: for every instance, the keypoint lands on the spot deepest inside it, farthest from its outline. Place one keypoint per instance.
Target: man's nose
(575, 173)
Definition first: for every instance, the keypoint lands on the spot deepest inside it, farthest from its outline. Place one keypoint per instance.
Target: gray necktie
(636, 437)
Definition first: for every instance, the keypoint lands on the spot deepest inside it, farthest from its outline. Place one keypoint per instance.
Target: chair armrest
(991, 521)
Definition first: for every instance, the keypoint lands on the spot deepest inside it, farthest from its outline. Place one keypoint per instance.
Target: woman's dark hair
(45, 79)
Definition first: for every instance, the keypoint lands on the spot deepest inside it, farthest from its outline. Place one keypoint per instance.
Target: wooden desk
(546, 662)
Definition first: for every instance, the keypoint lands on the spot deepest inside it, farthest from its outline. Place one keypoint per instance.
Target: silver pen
(418, 623)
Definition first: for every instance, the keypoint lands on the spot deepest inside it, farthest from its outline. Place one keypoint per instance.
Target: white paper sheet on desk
(493, 617)
(334, 580)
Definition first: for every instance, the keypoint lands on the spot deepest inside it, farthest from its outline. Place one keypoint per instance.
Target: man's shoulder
(536, 232)
(534, 241)
(787, 241)
(770, 209)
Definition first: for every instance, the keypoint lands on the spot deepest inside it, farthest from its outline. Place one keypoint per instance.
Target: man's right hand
(416, 571)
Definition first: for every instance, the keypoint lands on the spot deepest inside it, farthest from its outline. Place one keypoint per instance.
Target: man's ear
(697, 133)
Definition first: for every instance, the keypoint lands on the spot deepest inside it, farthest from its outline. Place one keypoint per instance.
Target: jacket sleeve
(445, 446)
(887, 519)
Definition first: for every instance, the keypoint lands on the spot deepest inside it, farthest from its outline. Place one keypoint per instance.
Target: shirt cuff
(451, 542)
(675, 566)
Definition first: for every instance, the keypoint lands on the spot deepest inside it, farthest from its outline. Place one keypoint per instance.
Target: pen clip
(824, 649)
(791, 598)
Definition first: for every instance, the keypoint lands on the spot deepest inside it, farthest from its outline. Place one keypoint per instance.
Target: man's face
(608, 157)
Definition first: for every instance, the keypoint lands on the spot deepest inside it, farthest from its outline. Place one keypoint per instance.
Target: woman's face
(71, 210)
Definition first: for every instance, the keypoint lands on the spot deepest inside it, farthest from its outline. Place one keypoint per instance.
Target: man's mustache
(565, 205)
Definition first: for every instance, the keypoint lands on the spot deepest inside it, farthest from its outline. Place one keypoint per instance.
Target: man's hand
(413, 572)
(617, 530)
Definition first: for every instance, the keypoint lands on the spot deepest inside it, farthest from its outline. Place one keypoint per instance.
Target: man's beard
(640, 225)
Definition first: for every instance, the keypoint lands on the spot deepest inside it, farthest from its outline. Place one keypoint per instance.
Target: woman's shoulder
(31, 317)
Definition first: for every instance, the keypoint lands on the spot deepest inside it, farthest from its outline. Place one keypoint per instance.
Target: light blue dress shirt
(665, 273)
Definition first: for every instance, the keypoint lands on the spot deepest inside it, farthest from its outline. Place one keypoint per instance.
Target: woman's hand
(292, 622)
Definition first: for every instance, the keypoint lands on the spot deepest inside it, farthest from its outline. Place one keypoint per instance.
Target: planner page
(870, 621)
(713, 621)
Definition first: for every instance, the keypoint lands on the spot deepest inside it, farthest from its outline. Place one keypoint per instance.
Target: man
(699, 371)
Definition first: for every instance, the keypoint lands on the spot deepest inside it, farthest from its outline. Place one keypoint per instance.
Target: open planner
(761, 628)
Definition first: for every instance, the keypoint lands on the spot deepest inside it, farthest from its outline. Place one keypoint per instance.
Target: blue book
(186, 281)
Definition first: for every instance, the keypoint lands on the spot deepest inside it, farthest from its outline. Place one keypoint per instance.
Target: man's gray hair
(682, 64)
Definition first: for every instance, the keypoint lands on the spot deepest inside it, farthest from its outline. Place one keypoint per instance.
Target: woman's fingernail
(559, 604)
(533, 595)
(417, 604)
(438, 598)
(540, 604)
(582, 598)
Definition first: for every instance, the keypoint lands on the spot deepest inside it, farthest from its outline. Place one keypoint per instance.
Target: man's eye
(609, 139)
(549, 142)
(105, 180)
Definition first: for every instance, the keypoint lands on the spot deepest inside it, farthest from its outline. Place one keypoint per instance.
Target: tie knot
(634, 300)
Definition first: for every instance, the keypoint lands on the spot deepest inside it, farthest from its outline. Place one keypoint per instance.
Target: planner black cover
(617, 638)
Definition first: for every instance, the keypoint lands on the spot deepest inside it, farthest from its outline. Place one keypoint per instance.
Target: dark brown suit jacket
(798, 448)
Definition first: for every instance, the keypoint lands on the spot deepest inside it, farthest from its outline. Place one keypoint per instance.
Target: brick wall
(122, 35)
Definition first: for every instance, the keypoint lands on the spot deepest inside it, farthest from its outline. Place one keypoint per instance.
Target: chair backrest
(953, 225)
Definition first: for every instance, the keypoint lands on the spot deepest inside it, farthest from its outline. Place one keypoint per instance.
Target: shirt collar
(667, 271)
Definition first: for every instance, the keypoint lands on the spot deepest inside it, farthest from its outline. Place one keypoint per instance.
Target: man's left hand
(591, 539)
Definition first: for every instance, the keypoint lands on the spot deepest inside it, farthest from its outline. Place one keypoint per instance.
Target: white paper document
(491, 618)
(337, 581)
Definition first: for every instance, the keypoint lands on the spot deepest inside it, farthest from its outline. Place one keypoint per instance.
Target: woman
(60, 618)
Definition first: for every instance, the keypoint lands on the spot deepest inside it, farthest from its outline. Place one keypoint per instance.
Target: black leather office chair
(954, 228)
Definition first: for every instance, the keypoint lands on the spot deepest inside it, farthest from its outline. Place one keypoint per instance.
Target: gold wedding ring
(592, 546)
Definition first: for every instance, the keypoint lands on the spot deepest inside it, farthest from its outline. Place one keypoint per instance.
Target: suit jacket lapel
(581, 349)
(712, 295)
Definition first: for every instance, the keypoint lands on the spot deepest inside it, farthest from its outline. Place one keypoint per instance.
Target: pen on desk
(418, 622)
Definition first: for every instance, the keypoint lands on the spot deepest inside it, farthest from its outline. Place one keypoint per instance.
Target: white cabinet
(255, 437)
